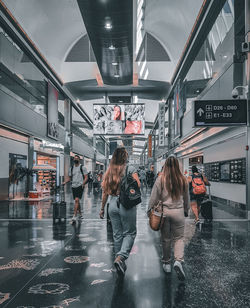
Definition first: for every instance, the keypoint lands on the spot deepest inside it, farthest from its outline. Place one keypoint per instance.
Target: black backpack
(130, 193)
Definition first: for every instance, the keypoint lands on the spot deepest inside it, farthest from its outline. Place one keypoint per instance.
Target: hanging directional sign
(220, 113)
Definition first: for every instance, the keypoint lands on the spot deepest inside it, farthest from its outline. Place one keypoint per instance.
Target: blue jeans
(124, 227)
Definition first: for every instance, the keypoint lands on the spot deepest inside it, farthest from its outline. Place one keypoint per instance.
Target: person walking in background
(197, 189)
(171, 187)
(78, 176)
(123, 220)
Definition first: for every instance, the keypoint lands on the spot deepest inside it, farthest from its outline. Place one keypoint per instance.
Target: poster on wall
(161, 116)
(17, 175)
(120, 119)
(52, 114)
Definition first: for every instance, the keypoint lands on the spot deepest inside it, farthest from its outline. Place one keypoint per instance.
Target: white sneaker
(73, 220)
(179, 270)
(166, 268)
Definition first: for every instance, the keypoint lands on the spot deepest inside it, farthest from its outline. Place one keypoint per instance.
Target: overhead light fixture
(78, 101)
(116, 75)
(197, 91)
(108, 24)
(114, 63)
(120, 101)
(111, 47)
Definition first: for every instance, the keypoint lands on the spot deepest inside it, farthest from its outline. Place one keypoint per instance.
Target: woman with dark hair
(171, 188)
(196, 199)
(123, 220)
(117, 112)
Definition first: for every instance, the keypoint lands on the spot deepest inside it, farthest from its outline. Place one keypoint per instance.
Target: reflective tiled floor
(46, 265)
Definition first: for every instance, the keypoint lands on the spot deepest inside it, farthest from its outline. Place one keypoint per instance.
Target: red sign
(149, 145)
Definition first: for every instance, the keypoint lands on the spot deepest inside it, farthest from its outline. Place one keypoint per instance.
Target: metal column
(94, 159)
(247, 39)
(30, 164)
(67, 143)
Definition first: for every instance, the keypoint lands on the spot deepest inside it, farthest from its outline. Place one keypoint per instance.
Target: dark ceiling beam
(109, 25)
(133, 138)
(203, 24)
(147, 89)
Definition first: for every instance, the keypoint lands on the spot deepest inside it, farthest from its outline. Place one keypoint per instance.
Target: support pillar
(247, 39)
(106, 156)
(30, 165)
(67, 143)
(94, 159)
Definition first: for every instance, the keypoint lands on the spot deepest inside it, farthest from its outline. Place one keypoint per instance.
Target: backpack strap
(81, 170)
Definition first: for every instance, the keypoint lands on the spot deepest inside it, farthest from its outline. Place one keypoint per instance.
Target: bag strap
(81, 170)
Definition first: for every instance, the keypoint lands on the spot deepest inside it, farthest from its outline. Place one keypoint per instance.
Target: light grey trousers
(172, 232)
(124, 227)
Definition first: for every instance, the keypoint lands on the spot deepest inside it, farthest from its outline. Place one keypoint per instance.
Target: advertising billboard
(52, 130)
(119, 119)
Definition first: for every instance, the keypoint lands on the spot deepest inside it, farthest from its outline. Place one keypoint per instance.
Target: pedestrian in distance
(123, 220)
(171, 188)
(197, 189)
(78, 175)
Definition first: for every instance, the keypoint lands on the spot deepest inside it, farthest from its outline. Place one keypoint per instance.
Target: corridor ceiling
(110, 29)
(148, 36)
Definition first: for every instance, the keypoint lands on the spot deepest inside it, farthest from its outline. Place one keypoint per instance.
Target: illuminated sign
(220, 113)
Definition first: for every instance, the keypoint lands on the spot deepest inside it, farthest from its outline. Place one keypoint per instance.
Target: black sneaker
(120, 266)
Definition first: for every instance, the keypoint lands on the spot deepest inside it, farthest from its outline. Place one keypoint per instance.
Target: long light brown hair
(115, 171)
(173, 179)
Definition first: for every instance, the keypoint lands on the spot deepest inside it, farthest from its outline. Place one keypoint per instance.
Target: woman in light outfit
(171, 188)
(123, 220)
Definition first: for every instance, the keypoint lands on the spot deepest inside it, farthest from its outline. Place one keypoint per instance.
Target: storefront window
(78, 127)
(19, 76)
(216, 51)
(100, 146)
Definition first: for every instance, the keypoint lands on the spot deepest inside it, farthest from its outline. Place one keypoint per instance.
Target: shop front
(47, 161)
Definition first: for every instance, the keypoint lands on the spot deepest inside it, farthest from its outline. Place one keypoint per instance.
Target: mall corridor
(60, 265)
(117, 118)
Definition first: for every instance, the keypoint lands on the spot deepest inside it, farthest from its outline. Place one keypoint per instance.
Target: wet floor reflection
(59, 265)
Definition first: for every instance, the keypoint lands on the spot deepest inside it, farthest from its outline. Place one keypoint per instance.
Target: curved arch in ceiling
(171, 22)
(52, 25)
(81, 51)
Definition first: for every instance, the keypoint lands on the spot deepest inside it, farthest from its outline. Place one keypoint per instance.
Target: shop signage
(161, 117)
(220, 113)
(150, 145)
(52, 114)
(47, 144)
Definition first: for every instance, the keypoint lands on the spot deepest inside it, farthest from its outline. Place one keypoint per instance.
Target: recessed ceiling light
(116, 76)
(197, 91)
(78, 101)
(120, 101)
(111, 47)
(108, 25)
(114, 63)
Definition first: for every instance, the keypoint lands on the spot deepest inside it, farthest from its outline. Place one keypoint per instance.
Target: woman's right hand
(101, 214)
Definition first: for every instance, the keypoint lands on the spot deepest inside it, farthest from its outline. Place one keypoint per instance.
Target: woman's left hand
(148, 212)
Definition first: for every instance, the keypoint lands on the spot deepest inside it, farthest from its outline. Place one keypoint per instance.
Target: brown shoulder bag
(156, 218)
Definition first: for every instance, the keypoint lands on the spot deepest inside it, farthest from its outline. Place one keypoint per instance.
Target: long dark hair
(173, 179)
(115, 171)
